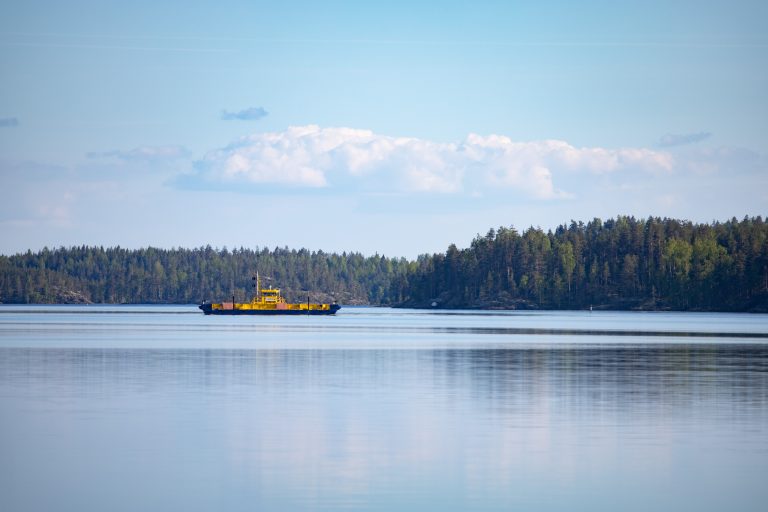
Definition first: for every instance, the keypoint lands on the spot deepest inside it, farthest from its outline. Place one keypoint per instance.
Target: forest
(184, 276)
(621, 263)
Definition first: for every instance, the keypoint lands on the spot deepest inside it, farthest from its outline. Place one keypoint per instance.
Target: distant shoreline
(620, 264)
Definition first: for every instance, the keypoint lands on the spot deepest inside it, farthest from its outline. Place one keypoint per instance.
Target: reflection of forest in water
(614, 377)
(471, 428)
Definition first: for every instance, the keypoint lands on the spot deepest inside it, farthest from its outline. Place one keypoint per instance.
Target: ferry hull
(208, 310)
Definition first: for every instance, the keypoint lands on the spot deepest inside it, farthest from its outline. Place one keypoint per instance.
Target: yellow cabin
(267, 301)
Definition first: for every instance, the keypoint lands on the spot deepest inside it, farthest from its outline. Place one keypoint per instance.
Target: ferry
(267, 301)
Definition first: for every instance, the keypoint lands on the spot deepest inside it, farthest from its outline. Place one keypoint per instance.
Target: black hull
(208, 310)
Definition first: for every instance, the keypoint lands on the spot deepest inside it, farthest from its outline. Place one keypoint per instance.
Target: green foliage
(151, 275)
(619, 264)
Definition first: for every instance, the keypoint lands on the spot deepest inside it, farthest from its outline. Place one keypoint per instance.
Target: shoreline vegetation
(618, 264)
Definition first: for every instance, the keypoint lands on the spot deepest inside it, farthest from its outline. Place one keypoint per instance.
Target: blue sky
(396, 127)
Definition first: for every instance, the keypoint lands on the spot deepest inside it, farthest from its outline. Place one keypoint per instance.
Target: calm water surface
(146, 408)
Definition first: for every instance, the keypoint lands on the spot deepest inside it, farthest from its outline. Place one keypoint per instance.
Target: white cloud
(248, 114)
(144, 153)
(311, 156)
(682, 139)
(9, 122)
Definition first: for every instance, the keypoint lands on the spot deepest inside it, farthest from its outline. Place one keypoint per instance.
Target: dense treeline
(116, 275)
(621, 263)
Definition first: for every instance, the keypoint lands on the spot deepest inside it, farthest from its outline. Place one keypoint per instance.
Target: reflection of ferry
(267, 301)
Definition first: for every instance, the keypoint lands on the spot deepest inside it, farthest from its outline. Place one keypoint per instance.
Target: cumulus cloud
(144, 153)
(248, 114)
(670, 140)
(9, 122)
(311, 156)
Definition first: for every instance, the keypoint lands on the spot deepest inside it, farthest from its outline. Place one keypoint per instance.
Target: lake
(144, 408)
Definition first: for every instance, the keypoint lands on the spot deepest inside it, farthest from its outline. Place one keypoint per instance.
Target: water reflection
(631, 427)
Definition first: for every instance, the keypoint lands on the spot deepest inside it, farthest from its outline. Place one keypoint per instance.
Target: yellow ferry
(267, 301)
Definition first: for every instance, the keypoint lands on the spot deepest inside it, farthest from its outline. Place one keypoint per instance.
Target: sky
(393, 127)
